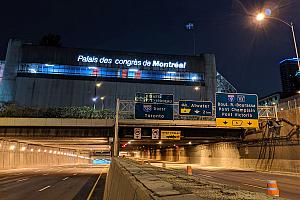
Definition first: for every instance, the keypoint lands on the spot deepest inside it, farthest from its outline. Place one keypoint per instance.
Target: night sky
(247, 54)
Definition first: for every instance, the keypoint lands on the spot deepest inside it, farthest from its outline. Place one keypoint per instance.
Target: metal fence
(290, 104)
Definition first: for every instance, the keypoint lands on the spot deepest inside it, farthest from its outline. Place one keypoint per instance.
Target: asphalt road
(289, 185)
(54, 183)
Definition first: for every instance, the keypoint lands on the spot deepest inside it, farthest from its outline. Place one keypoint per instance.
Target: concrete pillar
(12, 61)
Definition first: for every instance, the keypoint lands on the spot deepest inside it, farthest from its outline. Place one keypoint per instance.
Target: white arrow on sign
(197, 111)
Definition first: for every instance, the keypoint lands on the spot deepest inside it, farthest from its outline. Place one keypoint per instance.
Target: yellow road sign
(237, 123)
(170, 135)
(185, 110)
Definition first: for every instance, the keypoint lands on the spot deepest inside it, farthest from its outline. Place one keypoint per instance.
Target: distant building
(274, 98)
(289, 81)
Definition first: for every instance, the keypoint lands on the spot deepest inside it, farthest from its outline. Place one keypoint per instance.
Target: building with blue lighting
(290, 79)
(43, 76)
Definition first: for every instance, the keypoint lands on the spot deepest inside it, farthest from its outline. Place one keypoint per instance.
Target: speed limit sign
(137, 134)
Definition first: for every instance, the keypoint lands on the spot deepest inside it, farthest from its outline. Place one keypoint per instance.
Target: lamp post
(94, 99)
(102, 102)
(197, 89)
(191, 27)
(261, 16)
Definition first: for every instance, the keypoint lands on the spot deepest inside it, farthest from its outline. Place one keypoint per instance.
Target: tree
(51, 40)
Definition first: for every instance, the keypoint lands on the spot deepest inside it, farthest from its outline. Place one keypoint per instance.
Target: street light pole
(295, 44)
(261, 17)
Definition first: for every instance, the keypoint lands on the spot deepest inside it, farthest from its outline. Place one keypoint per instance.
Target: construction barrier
(272, 188)
(189, 170)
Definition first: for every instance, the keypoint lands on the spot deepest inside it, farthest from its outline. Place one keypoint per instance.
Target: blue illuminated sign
(241, 106)
(196, 108)
(154, 111)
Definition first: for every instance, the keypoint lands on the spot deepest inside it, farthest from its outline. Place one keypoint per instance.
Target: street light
(94, 99)
(102, 102)
(98, 85)
(261, 16)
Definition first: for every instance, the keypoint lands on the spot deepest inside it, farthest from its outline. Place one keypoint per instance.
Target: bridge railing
(127, 112)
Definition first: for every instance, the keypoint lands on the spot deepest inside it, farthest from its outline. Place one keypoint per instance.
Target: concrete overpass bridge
(96, 135)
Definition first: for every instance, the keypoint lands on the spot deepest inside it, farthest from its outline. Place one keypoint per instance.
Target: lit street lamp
(102, 102)
(261, 16)
(94, 100)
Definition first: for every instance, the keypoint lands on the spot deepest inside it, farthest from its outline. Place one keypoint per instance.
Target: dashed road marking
(206, 176)
(45, 188)
(65, 178)
(74, 174)
(3, 178)
(255, 186)
(24, 179)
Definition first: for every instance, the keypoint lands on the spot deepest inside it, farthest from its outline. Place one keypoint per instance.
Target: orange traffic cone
(272, 188)
(189, 170)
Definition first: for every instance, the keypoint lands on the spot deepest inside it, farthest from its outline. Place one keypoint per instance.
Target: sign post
(236, 110)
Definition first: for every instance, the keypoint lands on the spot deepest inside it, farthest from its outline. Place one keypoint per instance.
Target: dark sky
(246, 54)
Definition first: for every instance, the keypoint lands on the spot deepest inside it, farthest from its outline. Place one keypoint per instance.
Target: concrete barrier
(129, 180)
(120, 184)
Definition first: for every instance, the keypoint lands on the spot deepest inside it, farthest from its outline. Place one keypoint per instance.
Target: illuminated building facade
(42, 76)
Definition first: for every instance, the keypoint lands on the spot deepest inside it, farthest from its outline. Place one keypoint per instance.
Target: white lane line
(255, 186)
(65, 178)
(206, 176)
(74, 174)
(44, 188)
(24, 179)
(3, 178)
(45, 174)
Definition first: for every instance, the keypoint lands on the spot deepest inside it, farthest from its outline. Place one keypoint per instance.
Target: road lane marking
(45, 174)
(65, 178)
(92, 191)
(255, 186)
(24, 179)
(206, 176)
(74, 174)
(3, 178)
(45, 188)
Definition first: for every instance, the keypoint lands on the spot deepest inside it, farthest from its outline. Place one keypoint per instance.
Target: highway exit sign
(195, 108)
(236, 110)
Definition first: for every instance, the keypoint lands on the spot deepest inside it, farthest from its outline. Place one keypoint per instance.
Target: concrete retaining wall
(229, 155)
(120, 184)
